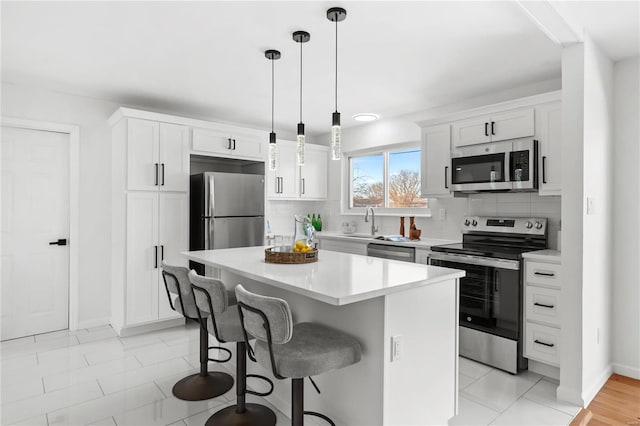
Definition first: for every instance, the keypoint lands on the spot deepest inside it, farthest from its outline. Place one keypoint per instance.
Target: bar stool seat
(313, 349)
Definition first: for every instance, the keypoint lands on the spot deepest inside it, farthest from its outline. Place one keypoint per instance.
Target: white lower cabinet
(542, 311)
(157, 229)
(422, 256)
(344, 246)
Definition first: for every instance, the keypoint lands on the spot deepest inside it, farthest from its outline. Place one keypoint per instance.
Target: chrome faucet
(374, 229)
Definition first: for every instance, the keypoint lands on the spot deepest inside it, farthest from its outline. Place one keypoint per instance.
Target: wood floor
(617, 403)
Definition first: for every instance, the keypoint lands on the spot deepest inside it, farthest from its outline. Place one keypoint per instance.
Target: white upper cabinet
(472, 131)
(282, 183)
(174, 157)
(512, 124)
(157, 156)
(313, 175)
(143, 154)
(436, 161)
(293, 182)
(229, 143)
(549, 136)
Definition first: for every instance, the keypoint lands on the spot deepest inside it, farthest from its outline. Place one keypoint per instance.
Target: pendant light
(336, 14)
(272, 55)
(301, 37)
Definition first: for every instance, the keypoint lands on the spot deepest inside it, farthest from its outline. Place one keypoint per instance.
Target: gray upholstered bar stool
(205, 384)
(223, 322)
(293, 351)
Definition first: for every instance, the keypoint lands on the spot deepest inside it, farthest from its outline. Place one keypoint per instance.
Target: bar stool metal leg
(204, 385)
(242, 413)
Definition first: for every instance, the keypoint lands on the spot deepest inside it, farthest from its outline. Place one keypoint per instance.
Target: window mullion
(385, 177)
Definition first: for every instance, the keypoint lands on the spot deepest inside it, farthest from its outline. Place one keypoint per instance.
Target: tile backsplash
(511, 204)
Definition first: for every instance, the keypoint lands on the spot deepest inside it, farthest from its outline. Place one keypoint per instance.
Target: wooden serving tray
(284, 255)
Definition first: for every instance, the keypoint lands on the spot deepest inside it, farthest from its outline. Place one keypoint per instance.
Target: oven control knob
(529, 225)
(469, 319)
(474, 223)
(538, 225)
(466, 222)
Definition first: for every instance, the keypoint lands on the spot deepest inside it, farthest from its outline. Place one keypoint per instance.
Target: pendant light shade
(336, 14)
(272, 55)
(300, 37)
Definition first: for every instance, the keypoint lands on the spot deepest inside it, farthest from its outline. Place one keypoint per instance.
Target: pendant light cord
(336, 65)
(272, 94)
(301, 82)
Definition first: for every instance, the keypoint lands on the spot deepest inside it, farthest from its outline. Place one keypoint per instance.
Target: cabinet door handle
(543, 305)
(162, 252)
(277, 185)
(543, 343)
(234, 144)
(446, 178)
(303, 185)
(544, 169)
(229, 146)
(162, 174)
(281, 179)
(545, 274)
(155, 257)
(155, 165)
(493, 123)
(486, 129)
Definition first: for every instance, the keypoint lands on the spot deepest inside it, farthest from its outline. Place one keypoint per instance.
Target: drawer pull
(543, 343)
(545, 274)
(543, 305)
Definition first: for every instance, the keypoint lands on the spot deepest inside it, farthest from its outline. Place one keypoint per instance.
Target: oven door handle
(476, 260)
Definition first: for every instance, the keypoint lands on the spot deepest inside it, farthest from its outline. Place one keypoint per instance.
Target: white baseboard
(626, 370)
(592, 390)
(544, 369)
(152, 326)
(91, 323)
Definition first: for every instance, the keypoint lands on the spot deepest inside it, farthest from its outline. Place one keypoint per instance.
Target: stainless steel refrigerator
(227, 210)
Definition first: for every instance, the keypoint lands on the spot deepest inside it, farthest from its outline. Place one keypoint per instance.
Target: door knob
(60, 242)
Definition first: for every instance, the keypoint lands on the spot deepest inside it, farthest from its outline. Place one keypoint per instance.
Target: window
(388, 179)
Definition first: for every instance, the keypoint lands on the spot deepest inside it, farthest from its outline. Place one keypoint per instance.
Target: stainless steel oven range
(491, 314)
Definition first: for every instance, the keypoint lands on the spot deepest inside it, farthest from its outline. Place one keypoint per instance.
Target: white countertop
(336, 278)
(423, 242)
(548, 255)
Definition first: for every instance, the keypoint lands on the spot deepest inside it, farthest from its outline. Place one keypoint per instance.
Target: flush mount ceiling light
(336, 14)
(272, 55)
(300, 37)
(365, 116)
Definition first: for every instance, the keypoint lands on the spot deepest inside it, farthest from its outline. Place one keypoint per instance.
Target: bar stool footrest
(322, 416)
(266, 379)
(220, 348)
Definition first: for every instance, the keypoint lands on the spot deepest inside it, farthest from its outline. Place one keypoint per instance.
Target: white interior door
(35, 212)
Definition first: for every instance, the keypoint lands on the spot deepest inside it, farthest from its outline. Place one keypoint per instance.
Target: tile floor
(93, 377)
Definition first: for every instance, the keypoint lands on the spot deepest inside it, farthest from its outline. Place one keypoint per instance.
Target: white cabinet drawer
(547, 274)
(543, 305)
(542, 343)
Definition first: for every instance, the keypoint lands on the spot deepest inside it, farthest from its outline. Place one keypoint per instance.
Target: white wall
(597, 226)
(404, 129)
(587, 108)
(626, 211)
(91, 115)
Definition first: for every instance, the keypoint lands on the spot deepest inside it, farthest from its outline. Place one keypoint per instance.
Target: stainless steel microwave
(498, 166)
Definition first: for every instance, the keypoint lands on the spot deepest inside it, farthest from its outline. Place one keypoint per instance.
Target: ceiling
(205, 59)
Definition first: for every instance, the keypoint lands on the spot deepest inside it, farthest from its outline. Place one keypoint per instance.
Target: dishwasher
(387, 251)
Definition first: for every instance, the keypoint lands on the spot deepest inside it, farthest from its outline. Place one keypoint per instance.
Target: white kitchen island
(375, 300)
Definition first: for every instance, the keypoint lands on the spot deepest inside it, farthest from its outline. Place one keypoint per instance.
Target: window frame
(346, 181)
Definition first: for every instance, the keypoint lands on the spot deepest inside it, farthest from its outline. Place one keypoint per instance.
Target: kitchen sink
(358, 236)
